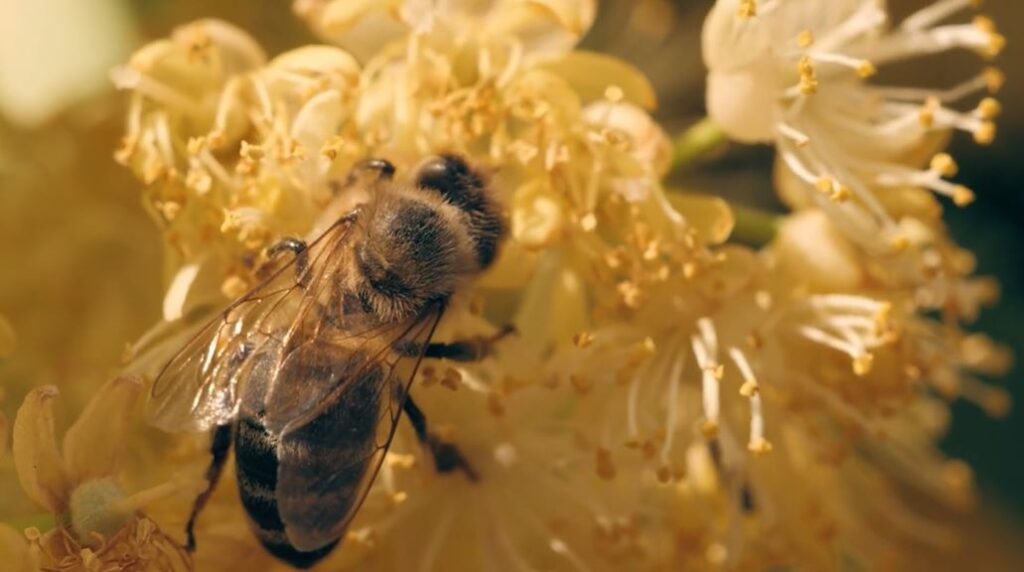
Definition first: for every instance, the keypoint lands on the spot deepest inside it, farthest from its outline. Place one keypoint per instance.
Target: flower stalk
(700, 140)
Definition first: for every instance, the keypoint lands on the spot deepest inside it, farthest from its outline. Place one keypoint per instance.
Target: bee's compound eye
(446, 173)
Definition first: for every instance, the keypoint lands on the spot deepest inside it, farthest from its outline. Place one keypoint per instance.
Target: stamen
(705, 349)
(127, 78)
(672, 403)
(934, 13)
(808, 79)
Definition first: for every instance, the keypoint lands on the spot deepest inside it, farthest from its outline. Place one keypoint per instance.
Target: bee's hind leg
(447, 457)
(219, 448)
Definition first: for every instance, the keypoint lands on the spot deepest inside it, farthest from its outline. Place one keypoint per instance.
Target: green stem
(754, 227)
(701, 139)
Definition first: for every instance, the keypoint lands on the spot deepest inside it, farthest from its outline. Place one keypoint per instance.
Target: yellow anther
(928, 110)
(944, 164)
(749, 388)
(994, 79)
(989, 108)
(805, 39)
(866, 69)
(760, 446)
(583, 339)
(747, 9)
(614, 93)
(863, 363)
(709, 428)
(963, 196)
(808, 78)
(985, 134)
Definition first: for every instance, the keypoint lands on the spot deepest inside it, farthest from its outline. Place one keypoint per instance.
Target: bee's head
(466, 188)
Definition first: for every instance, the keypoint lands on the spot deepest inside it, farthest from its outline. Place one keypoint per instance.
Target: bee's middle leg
(219, 448)
(447, 457)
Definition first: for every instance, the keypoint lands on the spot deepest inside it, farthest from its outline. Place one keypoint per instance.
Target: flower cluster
(798, 75)
(670, 400)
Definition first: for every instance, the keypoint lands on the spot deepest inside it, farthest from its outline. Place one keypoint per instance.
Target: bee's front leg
(469, 350)
(300, 250)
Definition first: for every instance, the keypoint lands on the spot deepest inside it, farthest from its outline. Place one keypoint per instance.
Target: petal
(318, 120)
(93, 445)
(546, 27)
(177, 292)
(538, 215)
(710, 216)
(321, 62)
(810, 248)
(235, 50)
(648, 142)
(36, 457)
(555, 305)
(360, 26)
(14, 551)
(591, 75)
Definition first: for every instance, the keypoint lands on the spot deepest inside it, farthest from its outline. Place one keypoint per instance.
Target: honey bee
(308, 374)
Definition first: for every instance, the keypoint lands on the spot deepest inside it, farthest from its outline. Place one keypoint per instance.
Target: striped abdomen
(310, 479)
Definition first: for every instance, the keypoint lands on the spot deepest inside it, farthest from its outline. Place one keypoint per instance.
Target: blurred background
(80, 261)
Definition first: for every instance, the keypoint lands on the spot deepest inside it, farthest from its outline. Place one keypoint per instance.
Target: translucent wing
(328, 459)
(203, 384)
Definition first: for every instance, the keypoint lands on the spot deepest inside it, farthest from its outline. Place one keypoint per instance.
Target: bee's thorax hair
(421, 241)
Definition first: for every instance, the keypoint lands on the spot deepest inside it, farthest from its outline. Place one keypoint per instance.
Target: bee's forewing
(329, 456)
(202, 385)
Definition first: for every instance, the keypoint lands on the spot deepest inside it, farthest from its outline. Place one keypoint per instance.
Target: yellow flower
(98, 524)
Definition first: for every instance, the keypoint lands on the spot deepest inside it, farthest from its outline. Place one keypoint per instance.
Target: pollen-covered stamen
(230, 102)
(936, 12)
(851, 324)
(932, 179)
(705, 349)
(675, 375)
(979, 35)
(199, 150)
(868, 17)
(746, 9)
(808, 77)
(752, 391)
(863, 68)
(798, 138)
(990, 80)
(128, 78)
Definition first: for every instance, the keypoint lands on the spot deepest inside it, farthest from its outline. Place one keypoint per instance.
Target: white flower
(794, 73)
